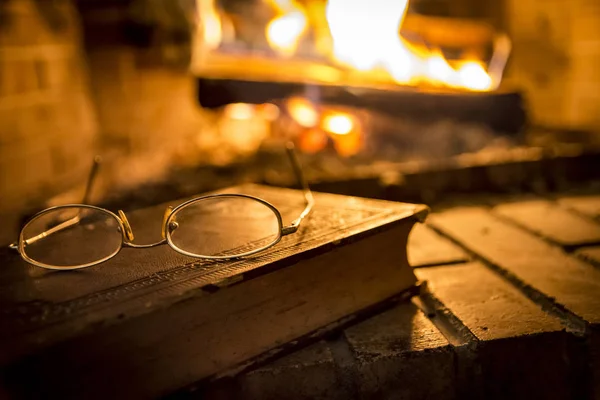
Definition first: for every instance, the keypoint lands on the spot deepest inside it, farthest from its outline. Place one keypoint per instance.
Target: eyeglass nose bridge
(128, 232)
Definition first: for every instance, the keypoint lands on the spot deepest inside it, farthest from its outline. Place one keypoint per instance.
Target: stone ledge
(395, 352)
(520, 351)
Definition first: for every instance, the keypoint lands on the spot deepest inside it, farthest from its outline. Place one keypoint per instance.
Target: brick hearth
(511, 309)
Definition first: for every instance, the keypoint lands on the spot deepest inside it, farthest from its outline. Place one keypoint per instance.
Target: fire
(365, 37)
(344, 131)
(212, 29)
(239, 111)
(473, 76)
(337, 124)
(312, 141)
(319, 125)
(365, 33)
(303, 112)
(285, 30)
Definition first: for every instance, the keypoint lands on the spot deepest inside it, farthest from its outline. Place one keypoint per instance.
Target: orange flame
(303, 112)
(318, 125)
(344, 130)
(337, 124)
(365, 37)
(285, 30)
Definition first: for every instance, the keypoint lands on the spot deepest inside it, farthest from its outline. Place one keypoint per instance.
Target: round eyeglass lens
(71, 237)
(223, 227)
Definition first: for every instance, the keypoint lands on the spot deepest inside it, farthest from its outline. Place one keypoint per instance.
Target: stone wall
(47, 122)
(556, 60)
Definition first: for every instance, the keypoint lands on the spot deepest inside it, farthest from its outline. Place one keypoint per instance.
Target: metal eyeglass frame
(169, 223)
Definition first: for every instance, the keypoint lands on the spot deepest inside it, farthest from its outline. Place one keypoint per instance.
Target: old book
(150, 321)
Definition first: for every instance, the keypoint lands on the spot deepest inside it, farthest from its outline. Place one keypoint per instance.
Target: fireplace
(356, 77)
(187, 97)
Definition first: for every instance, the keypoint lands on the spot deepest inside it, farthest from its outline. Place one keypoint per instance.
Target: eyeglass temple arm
(91, 179)
(71, 221)
(308, 197)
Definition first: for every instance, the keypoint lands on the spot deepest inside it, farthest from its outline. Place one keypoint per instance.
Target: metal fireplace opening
(406, 100)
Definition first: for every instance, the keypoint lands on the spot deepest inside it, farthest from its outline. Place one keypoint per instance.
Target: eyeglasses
(219, 226)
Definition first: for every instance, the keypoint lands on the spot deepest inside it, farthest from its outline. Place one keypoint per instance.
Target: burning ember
(349, 42)
(313, 127)
(317, 125)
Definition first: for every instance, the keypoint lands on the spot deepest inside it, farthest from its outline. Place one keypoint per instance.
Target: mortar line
(441, 264)
(567, 248)
(570, 320)
(579, 213)
(586, 259)
(449, 325)
(462, 340)
(555, 200)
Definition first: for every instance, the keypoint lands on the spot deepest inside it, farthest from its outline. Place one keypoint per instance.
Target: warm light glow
(439, 70)
(473, 76)
(365, 33)
(344, 130)
(348, 145)
(361, 38)
(303, 112)
(239, 111)
(312, 140)
(339, 124)
(377, 45)
(269, 111)
(285, 30)
(502, 48)
(365, 36)
(212, 31)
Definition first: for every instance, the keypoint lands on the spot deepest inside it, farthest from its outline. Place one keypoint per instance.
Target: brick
(591, 254)
(40, 130)
(309, 373)
(398, 351)
(10, 131)
(521, 352)
(426, 248)
(532, 24)
(306, 374)
(564, 279)
(571, 282)
(490, 307)
(58, 76)
(587, 205)
(19, 182)
(18, 77)
(549, 220)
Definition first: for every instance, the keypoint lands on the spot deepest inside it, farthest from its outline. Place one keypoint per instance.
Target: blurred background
(410, 101)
